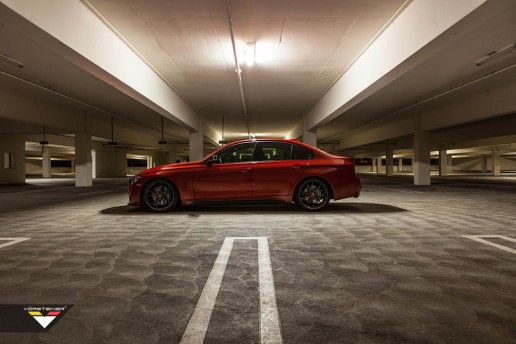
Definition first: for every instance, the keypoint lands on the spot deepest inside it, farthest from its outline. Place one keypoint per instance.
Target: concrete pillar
(83, 160)
(421, 161)
(379, 167)
(443, 162)
(495, 161)
(12, 157)
(483, 163)
(374, 165)
(309, 136)
(400, 164)
(93, 164)
(110, 162)
(389, 161)
(450, 163)
(196, 145)
(46, 162)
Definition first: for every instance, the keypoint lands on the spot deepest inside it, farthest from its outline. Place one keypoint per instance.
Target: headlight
(135, 179)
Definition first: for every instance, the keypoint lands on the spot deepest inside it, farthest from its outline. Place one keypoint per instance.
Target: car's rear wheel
(160, 195)
(312, 195)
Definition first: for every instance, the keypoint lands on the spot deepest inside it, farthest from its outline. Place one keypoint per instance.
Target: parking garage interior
(420, 93)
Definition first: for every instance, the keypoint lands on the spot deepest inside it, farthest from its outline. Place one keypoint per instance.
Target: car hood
(176, 166)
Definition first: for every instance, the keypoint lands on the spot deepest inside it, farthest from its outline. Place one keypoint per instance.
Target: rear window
(275, 151)
(301, 153)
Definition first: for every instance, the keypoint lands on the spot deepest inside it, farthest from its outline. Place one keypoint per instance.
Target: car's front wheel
(312, 195)
(160, 196)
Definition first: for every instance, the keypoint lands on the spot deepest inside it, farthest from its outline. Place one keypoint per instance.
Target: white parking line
(270, 331)
(12, 241)
(487, 242)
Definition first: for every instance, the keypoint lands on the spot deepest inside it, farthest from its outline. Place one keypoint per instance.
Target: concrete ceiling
(441, 76)
(302, 47)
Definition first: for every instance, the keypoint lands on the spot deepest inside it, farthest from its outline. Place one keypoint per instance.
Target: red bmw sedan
(251, 170)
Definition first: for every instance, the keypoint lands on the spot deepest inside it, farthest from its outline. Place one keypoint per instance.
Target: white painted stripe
(12, 241)
(198, 325)
(270, 330)
(487, 242)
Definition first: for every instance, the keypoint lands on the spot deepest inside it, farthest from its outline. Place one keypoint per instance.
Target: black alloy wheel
(160, 196)
(312, 195)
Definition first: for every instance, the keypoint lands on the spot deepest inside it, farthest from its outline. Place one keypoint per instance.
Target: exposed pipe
(237, 70)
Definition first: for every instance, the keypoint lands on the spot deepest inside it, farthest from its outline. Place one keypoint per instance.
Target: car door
(229, 178)
(274, 173)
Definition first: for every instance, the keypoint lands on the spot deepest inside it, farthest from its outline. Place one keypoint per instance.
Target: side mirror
(213, 159)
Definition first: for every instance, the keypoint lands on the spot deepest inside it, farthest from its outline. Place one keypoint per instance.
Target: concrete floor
(390, 267)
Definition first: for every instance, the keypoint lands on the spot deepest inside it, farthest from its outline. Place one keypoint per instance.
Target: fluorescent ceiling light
(495, 54)
(10, 60)
(249, 54)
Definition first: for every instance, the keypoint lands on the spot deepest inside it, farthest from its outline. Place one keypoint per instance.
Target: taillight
(350, 163)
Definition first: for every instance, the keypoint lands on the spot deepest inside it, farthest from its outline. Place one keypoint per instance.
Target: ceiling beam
(72, 31)
(397, 50)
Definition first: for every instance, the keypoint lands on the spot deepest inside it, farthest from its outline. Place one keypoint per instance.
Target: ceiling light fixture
(10, 60)
(495, 54)
(250, 54)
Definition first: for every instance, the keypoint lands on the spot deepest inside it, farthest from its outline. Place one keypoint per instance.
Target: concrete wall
(474, 164)
(110, 162)
(33, 167)
(14, 172)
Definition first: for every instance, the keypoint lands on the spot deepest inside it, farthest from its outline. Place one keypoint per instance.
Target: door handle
(246, 170)
(295, 166)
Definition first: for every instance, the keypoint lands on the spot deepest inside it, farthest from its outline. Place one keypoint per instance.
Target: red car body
(257, 176)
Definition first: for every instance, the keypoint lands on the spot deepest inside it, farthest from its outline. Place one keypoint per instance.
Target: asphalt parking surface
(392, 266)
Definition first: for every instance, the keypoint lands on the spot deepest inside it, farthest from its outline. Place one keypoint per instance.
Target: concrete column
(400, 164)
(495, 161)
(93, 164)
(389, 161)
(110, 162)
(46, 162)
(196, 145)
(450, 163)
(309, 136)
(12, 157)
(421, 161)
(374, 165)
(483, 163)
(83, 160)
(443, 162)
(379, 166)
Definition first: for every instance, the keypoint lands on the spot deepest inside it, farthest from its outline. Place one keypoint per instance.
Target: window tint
(275, 151)
(237, 153)
(301, 153)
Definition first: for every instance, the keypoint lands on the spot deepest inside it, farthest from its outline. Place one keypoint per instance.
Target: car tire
(312, 195)
(159, 196)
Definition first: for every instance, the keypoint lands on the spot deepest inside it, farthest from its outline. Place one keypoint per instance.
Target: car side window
(301, 153)
(237, 153)
(274, 151)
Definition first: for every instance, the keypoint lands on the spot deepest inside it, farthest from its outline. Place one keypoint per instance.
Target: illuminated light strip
(478, 238)
(270, 330)
(12, 241)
